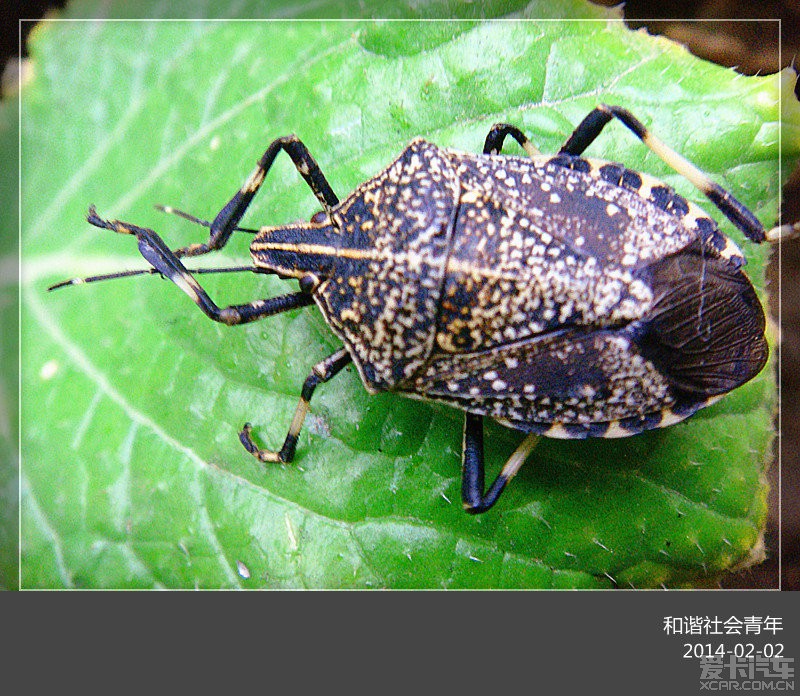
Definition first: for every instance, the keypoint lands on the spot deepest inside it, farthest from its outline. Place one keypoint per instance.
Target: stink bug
(562, 296)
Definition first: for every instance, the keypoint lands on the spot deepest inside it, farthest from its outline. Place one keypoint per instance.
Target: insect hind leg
(228, 218)
(591, 126)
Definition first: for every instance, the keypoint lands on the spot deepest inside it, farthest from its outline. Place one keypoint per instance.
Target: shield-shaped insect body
(563, 296)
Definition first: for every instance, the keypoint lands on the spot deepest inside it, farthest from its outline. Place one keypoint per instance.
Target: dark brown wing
(706, 330)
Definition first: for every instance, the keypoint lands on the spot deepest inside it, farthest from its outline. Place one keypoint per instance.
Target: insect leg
(497, 136)
(321, 372)
(598, 118)
(228, 218)
(472, 472)
(159, 255)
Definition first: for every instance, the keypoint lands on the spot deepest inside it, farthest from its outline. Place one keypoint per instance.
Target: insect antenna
(149, 271)
(169, 210)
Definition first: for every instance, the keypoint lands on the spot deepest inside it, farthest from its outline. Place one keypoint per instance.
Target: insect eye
(319, 216)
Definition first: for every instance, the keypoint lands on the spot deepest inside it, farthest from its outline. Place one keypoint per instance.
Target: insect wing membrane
(706, 329)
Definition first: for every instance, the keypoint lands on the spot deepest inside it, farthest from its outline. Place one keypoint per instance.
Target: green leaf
(9, 353)
(132, 471)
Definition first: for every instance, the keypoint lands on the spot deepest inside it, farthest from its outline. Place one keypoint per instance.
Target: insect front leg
(321, 372)
(472, 471)
(166, 262)
(228, 218)
(598, 118)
